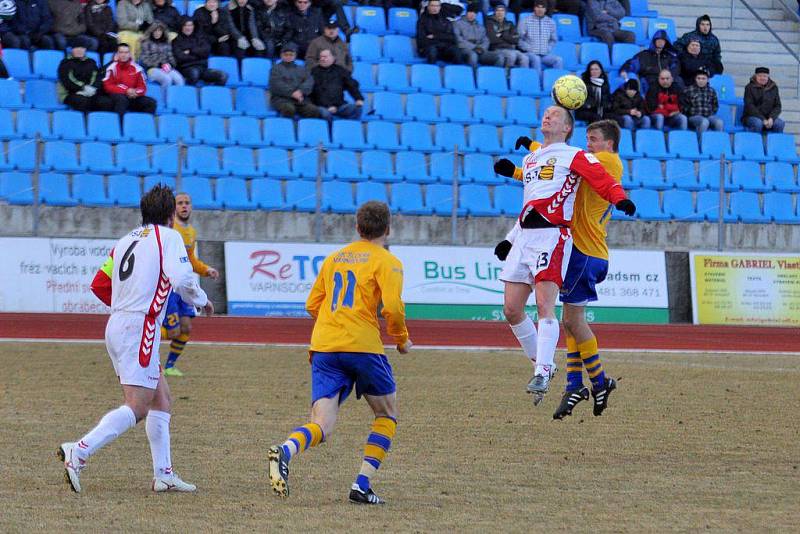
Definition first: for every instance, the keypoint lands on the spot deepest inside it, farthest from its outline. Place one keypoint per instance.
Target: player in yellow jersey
(346, 348)
(588, 266)
(178, 318)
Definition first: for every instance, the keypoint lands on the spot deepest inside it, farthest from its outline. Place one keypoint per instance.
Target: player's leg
(515, 296)
(378, 444)
(574, 392)
(178, 344)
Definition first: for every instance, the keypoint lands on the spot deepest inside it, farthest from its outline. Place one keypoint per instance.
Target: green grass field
(690, 442)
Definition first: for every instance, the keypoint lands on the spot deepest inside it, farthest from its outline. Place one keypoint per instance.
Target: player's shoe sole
(173, 371)
(601, 396)
(569, 401)
(71, 473)
(359, 496)
(278, 471)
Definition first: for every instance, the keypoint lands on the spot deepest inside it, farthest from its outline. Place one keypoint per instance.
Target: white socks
(546, 346)
(157, 427)
(111, 426)
(526, 335)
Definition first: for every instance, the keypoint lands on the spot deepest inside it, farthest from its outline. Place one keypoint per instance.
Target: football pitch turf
(690, 442)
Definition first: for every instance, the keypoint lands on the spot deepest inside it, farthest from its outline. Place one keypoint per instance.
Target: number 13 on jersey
(349, 287)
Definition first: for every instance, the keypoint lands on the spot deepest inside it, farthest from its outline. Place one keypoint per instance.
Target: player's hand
(626, 206)
(405, 347)
(505, 167)
(502, 249)
(212, 273)
(523, 141)
(208, 309)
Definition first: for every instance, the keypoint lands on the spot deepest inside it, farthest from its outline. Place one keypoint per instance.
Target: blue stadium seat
(727, 113)
(494, 81)
(712, 144)
(708, 205)
(526, 82)
(7, 130)
(780, 176)
(750, 146)
(398, 48)
(782, 148)
(387, 106)
(41, 94)
(366, 191)
(305, 163)
(33, 121)
(383, 135)
(488, 109)
(474, 198)
(417, 136)
(157, 179)
(343, 165)
(478, 168)
(780, 208)
(422, 107)
(337, 197)
(267, 193)
(394, 78)
(407, 199)
(133, 158)
(54, 190)
(12, 96)
(403, 21)
(439, 198)
(124, 191)
(98, 157)
(622, 52)
(449, 135)
(228, 65)
(245, 131)
(18, 63)
(45, 63)
(171, 128)
(69, 126)
(639, 8)
(154, 92)
(411, 166)
(568, 27)
(16, 187)
(301, 195)
(200, 190)
(725, 87)
(274, 162)
(255, 71)
(365, 47)
(89, 190)
(182, 99)
(647, 173)
(428, 79)
(668, 25)
(549, 77)
(483, 138)
(280, 132)
(21, 154)
(312, 132)
(747, 175)
(460, 79)
(348, 134)
(651, 144)
(442, 168)
(648, 205)
(455, 108)
(508, 199)
(626, 149)
(140, 127)
(371, 19)
(681, 174)
(232, 194)
(202, 160)
(679, 205)
(709, 175)
(744, 206)
(104, 126)
(210, 130)
(377, 165)
(238, 161)
(683, 145)
(217, 101)
(364, 75)
(252, 101)
(193, 5)
(568, 52)
(511, 133)
(595, 52)
(61, 156)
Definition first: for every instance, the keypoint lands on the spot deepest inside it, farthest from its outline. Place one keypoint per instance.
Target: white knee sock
(157, 427)
(546, 346)
(111, 426)
(526, 335)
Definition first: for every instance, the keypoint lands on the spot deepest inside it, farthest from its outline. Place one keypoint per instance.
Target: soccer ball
(569, 91)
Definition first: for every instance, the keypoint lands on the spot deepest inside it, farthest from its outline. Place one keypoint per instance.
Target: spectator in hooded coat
(648, 63)
(157, 58)
(709, 44)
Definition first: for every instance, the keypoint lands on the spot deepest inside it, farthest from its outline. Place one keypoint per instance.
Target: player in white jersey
(539, 256)
(147, 262)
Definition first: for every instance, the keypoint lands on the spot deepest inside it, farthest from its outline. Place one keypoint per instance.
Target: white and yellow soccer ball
(569, 91)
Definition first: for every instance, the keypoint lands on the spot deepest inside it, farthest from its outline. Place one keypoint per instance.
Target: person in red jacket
(124, 83)
(663, 103)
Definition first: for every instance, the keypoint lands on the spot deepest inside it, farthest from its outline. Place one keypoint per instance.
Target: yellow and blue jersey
(189, 235)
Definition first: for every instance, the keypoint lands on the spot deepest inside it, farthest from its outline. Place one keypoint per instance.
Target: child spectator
(157, 58)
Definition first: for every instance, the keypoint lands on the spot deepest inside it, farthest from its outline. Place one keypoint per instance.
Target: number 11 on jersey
(349, 290)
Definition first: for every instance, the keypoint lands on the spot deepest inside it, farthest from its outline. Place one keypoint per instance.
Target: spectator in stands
(124, 84)
(8, 9)
(602, 20)
(330, 40)
(290, 85)
(537, 37)
(272, 26)
(471, 38)
(648, 63)
(100, 24)
(133, 18)
(157, 58)
(627, 106)
(598, 97)
(709, 44)
(435, 38)
(244, 30)
(214, 24)
(191, 51)
(333, 8)
(663, 103)
(762, 104)
(699, 103)
(79, 82)
(164, 11)
(69, 24)
(305, 24)
(503, 38)
(330, 83)
(31, 26)
(691, 61)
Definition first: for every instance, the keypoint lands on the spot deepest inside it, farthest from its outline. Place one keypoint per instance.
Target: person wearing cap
(69, 24)
(503, 38)
(762, 104)
(329, 40)
(191, 51)
(305, 23)
(330, 83)
(537, 37)
(436, 40)
(79, 82)
(471, 38)
(699, 102)
(271, 19)
(290, 85)
(627, 106)
(710, 49)
(602, 21)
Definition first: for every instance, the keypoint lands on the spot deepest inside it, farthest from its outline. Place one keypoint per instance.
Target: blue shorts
(338, 372)
(176, 308)
(583, 273)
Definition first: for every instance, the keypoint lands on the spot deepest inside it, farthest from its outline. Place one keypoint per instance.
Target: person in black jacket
(330, 83)
(598, 99)
(79, 82)
(271, 19)
(692, 61)
(101, 25)
(305, 23)
(244, 29)
(436, 40)
(648, 63)
(762, 104)
(214, 24)
(191, 52)
(31, 26)
(627, 106)
(164, 11)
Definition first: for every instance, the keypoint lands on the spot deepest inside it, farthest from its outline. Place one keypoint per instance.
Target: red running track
(224, 329)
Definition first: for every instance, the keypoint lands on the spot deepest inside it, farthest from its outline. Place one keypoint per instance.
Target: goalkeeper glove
(505, 167)
(502, 249)
(626, 206)
(523, 141)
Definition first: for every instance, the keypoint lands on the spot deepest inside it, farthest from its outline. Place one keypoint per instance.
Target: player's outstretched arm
(589, 168)
(179, 270)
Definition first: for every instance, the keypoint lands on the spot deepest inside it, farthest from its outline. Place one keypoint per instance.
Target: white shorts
(132, 342)
(538, 255)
